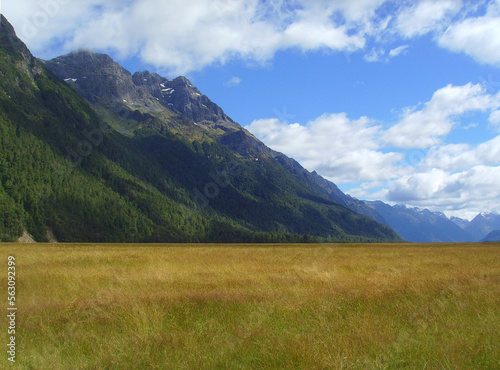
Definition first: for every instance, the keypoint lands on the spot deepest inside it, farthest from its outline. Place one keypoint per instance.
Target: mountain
(493, 236)
(122, 98)
(420, 225)
(92, 153)
(482, 225)
(462, 223)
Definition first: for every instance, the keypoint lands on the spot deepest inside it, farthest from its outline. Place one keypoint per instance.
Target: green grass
(250, 307)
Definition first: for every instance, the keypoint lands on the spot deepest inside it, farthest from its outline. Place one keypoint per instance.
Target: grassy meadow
(83, 306)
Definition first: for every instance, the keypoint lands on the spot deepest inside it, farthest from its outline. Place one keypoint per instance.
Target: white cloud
(419, 186)
(457, 157)
(495, 119)
(478, 37)
(451, 157)
(469, 126)
(460, 179)
(43, 23)
(341, 149)
(464, 192)
(380, 54)
(375, 55)
(399, 50)
(426, 16)
(424, 128)
(359, 10)
(234, 81)
(180, 36)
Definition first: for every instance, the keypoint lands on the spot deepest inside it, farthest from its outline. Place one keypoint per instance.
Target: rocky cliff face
(105, 83)
(100, 80)
(180, 96)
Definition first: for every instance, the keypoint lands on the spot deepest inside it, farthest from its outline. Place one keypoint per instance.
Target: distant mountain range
(91, 152)
(424, 226)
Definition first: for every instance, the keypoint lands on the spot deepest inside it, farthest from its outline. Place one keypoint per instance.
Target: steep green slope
(50, 160)
(64, 170)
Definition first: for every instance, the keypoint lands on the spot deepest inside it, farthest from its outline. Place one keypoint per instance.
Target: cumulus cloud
(342, 149)
(353, 150)
(456, 157)
(42, 24)
(478, 37)
(419, 186)
(495, 119)
(457, 178)
(466, 191)
(423, 128)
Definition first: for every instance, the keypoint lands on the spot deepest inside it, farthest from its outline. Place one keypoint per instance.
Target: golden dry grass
(246, 306)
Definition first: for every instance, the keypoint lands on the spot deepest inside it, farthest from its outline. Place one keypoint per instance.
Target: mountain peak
(91, 56)
(182, 97)
(86, 51)
(486, 216)
(98, 78)
(84, 62)
(183, 79)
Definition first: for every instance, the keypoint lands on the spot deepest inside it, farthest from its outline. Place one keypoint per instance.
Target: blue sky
(391, 100)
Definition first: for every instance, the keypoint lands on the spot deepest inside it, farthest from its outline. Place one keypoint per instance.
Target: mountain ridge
(119, 166)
